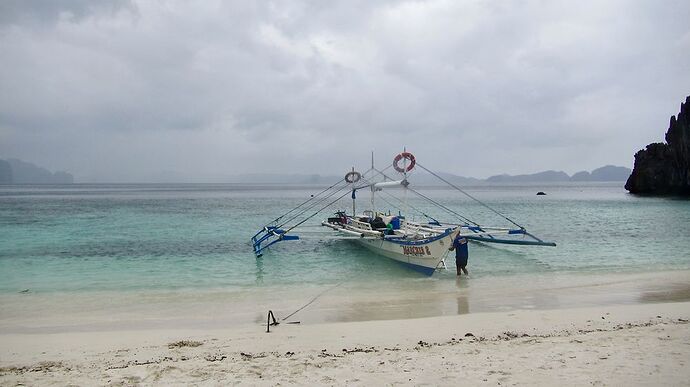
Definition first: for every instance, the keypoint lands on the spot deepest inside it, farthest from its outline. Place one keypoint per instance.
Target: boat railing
(363, 231)
(414, 231)
(361, 225)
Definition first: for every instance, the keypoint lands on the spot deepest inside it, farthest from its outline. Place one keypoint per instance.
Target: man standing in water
(461, 253)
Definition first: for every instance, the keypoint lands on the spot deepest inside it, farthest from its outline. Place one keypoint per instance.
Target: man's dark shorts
(461, 261)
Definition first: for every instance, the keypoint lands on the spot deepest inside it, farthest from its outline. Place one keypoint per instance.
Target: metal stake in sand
(269, 322)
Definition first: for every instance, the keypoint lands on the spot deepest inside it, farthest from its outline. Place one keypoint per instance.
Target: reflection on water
(259, 270)
(462, 299)
(669, 292)
(433, 297)
(390, 300)
(463, 305)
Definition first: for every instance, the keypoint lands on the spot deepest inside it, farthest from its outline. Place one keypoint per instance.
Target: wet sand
(342, 302)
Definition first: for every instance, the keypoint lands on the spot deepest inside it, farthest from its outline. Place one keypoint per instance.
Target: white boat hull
(422, 256)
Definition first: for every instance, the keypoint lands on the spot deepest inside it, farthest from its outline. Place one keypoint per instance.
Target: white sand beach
(637, 344)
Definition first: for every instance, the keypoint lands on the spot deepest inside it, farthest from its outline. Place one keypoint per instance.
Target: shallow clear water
(164, 237)
(111, 257)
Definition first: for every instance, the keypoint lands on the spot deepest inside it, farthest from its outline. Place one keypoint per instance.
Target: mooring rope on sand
(312, 300)
(275, 322)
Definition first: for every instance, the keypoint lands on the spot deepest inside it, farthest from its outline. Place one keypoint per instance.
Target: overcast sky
(127, 91)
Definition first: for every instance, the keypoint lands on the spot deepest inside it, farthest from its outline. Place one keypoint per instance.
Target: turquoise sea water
(85, 238)
(113, 257)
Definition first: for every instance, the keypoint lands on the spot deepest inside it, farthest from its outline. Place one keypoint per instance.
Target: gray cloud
(475, 88)
(45, 13)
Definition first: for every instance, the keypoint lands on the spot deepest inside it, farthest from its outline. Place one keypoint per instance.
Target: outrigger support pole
(537, 242)
(270, 235)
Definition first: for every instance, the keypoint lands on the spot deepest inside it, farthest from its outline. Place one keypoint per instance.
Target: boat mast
(405, 185)
(373, 188)
(354, 200)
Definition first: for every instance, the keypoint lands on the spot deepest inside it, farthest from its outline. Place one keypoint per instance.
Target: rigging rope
(316, 213)
(322, 200)
(312, 300)
(303, 203)
(470, 196)
(312, 206)
(464, 218)
(379, 172)
(391, 204)
(400, 209)
(398, 199)
(445, 208)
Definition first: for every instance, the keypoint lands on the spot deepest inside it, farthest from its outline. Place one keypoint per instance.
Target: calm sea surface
(110, 257)
(82, 238)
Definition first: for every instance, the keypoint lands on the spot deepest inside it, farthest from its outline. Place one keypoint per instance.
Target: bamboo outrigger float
(420, 246)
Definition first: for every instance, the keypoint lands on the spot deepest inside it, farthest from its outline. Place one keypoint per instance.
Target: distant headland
(13, 171)
(606, 173)
(664, 168)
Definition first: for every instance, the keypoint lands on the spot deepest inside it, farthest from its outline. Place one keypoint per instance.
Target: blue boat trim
(478, 229)
(418, 268)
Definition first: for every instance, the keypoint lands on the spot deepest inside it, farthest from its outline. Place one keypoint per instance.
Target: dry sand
(638, 344)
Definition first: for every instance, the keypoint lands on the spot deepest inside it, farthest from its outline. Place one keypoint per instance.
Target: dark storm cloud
(474, 87)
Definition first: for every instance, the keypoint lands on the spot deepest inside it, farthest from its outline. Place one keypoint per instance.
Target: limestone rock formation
(664, 168)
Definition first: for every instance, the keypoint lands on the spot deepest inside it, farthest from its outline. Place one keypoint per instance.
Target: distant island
(664, 168)
(606, 173)
(13, 171)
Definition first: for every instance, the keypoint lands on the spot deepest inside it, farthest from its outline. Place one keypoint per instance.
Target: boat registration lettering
(416, 250)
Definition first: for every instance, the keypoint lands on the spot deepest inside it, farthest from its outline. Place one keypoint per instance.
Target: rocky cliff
(664, 168)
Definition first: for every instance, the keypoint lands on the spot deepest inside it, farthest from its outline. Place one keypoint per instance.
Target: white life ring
(353, 177)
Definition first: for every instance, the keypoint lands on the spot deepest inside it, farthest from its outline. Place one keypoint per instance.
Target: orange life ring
(353, 177)
(405, 155)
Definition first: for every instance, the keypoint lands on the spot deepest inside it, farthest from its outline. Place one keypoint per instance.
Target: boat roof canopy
(391, 184)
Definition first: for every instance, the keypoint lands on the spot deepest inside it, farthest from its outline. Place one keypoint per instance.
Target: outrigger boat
(420, 246)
